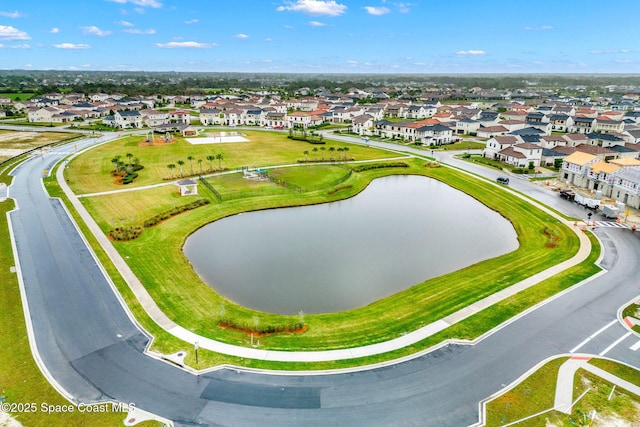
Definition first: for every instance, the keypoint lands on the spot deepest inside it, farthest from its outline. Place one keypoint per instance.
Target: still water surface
(326, 258)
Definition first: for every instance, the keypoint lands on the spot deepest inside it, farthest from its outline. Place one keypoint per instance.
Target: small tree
(331, 151)
(219, 156)
(306, 155)
(200, 164)
(315, 152)
(557, 163)
(171, 168)
(531, 166)
(211, 159)
(191, 159)
(180, 163)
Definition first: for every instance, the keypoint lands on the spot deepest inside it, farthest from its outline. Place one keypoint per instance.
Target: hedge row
(362, 168)
(292, 327)
(174, 211)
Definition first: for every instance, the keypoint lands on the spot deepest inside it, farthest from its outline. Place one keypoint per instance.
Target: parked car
(503, 180)
(567, 194)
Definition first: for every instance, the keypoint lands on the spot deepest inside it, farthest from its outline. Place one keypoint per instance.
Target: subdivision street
(92, 349)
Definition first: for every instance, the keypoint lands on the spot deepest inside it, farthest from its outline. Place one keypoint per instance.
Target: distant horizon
(320, 36)
(318, 73)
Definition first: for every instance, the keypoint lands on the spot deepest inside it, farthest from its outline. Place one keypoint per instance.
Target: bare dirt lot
(13, 143)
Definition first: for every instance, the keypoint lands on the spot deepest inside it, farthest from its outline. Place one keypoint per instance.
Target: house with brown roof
(521, 155)
(498, 143)
(491, 131)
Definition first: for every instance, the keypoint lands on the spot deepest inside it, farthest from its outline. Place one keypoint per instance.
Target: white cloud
(144, 3)
(7, 32)
(14, 14)
(268, 39)
(542, 28)
(124, 23)
(71, 46)
(182, 45)
(317, 24)
(352, 63)
(403, 7)
(241, 36)
(314, 7)
(609, 51)
(471, 53)
(377, 11)
(17, 46)
(191, 21)
(137, 31)
(95, 31)
(289, 27)
(54, 30)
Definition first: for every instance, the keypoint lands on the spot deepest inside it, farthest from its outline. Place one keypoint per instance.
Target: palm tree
(115, 162)
(345, 149)
(171, 168)
(331, 150)
(219, 156)
(129, 156)
(306, 155)
(339, 150)
(180, 163)
(200, 163)
(211, 158)
(315, 152)
(322, 152)
(191, 158)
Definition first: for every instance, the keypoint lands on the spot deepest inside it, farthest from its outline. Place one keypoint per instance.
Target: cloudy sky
(319, 36)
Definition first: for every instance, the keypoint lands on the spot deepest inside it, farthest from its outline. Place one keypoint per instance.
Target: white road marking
(635, 346)
(592, 336)
(615, 343)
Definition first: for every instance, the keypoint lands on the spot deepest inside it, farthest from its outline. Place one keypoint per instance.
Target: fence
(281, 187)
(210, 187)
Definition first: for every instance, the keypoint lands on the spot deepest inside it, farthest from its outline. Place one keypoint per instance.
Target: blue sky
(322, 36)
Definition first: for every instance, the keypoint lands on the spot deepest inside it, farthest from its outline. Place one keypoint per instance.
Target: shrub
(150, 222)
(366, 167)
(125, 233)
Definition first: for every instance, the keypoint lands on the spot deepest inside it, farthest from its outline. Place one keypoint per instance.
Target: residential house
(521, 155)
(153, 118)
(363, 125)
(128, 119)
(582, 124)
(491, 131)
(497, 144)
(179, 116)
(575, 168)
(626, 187)
(560, 122)
(211, 116)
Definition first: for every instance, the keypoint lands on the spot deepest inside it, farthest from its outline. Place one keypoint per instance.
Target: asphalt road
(91, 348)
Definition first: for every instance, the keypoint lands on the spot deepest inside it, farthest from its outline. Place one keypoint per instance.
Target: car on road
(503, 180)
(567, 194)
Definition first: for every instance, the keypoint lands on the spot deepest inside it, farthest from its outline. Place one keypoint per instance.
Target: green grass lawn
(158, 261)
(536, 394)
(90, 173)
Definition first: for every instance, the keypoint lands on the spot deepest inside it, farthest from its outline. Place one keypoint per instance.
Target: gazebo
(187, 187)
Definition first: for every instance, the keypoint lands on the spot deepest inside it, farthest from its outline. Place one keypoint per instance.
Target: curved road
(92, 349)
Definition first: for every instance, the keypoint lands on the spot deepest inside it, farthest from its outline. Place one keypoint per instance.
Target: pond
(398, 232)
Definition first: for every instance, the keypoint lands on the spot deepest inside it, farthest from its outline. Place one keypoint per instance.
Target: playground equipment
(255, 174)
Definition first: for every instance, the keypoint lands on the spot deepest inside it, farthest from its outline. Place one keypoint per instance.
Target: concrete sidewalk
(178, 331)
(564, 386)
